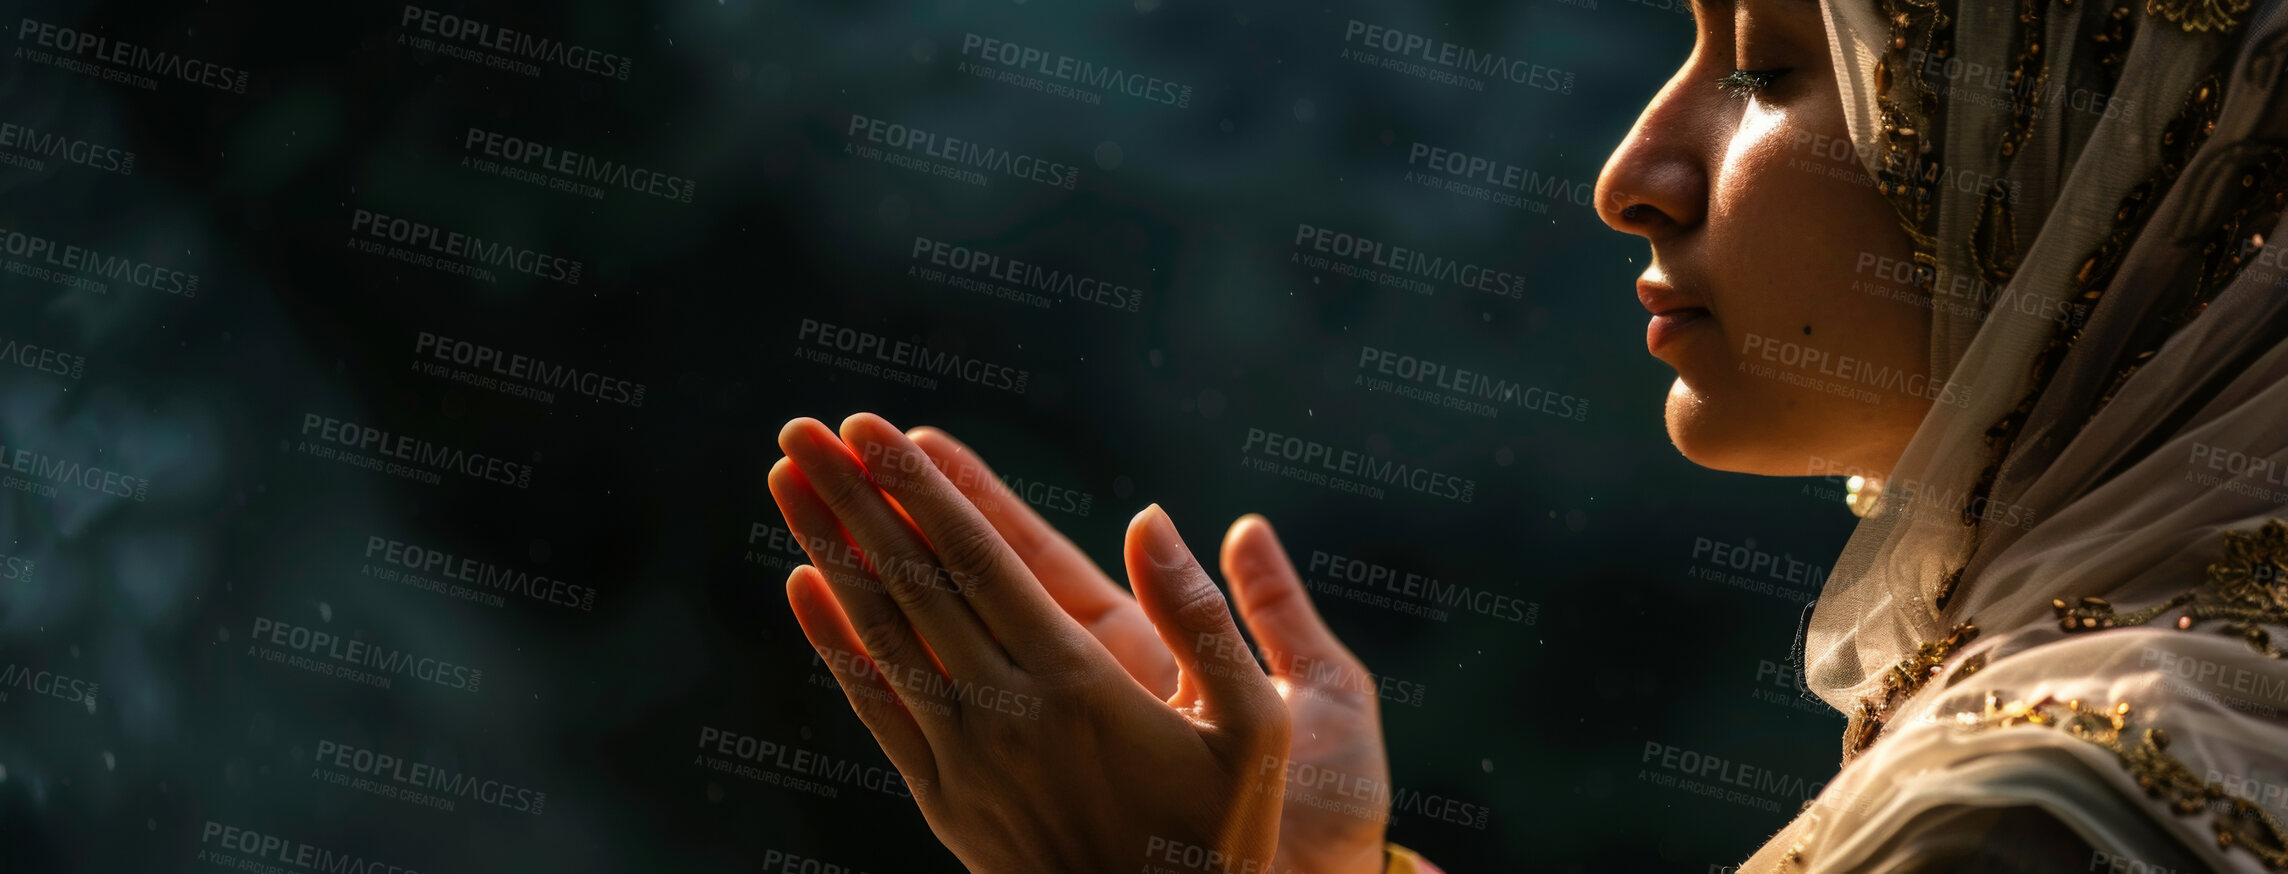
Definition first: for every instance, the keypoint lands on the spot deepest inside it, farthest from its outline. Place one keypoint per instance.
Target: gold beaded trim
(2247, 591)
(2028, 77)
(1901, 682)
(1994, 236)
(2263, 193)
(1906, 174)
(2183, 135)
(2112, 39)
(2195, 15)
(2263, 196)
(2238, 822)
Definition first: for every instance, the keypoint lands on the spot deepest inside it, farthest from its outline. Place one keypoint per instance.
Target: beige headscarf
(2091, 186)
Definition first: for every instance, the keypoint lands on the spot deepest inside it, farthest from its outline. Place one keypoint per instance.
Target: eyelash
(1743, 84)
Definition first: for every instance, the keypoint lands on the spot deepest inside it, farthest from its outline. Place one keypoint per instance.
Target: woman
(2004, 263)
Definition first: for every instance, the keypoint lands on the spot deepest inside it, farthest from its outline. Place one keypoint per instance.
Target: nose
(1655, 184)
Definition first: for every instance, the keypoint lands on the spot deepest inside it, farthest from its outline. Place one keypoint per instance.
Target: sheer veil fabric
(2091, 185)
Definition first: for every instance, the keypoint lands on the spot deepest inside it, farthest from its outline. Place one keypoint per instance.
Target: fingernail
(1160, 539)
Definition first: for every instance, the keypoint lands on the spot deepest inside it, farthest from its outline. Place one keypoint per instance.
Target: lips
(1673, 313)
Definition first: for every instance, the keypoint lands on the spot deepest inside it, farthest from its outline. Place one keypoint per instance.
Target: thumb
(1273, 602)
(1194, 621)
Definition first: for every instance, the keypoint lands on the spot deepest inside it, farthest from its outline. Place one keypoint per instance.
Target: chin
(1708, 437)
(1758, 435)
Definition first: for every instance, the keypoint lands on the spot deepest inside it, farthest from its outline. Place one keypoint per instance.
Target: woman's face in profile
(1774, 259)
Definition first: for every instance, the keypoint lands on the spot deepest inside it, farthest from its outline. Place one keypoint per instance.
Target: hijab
(2094, 189)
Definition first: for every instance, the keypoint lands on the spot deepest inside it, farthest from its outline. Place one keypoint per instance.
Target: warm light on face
(1756, 122)
(1741, 176)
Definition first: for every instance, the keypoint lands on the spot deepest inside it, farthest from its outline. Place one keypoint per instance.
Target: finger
(898, 555)
(881, 628)
(1296, 641)
(993, 578)
(873, 698)
(1073, 579)
(1195, 621)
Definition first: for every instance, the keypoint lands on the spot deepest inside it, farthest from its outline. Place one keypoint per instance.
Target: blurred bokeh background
(570, 270)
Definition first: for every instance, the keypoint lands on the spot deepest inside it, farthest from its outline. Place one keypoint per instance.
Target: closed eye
(1743, 84)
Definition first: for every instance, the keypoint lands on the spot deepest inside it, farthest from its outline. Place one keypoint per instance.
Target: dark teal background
(1594, 522)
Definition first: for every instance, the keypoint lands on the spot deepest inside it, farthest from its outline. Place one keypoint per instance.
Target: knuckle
(843, 491)
(1202, 609)
(909, 582)
(973, 553)
(886, 640)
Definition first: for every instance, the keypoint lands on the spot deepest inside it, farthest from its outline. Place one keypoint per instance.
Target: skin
(1156, 727)
(1027, 745)
(1749, 216)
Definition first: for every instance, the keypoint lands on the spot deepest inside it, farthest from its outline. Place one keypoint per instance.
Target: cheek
(1789, 226)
